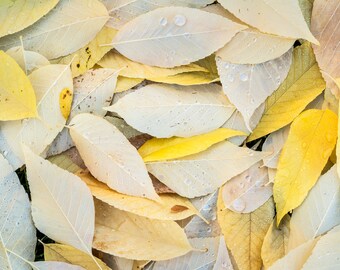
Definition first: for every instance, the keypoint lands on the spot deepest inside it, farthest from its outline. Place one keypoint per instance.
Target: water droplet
(258, 183)
(187, 35)
(187, 182)
(163, 21)
(239, 205)
(254, 39)
(180, 20)
(244, 77)
(304, 145)
(251, 154)
(226, 65)
(252, 101)
(241, 185)
(329, 137)
(248, 178)
(280, 67)
(5, 153)
(230, 77)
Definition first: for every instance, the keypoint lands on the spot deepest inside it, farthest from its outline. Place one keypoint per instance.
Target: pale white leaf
(201, 174)
(48, 82)
(174, 36)
(122, 11)
(236, 122)
(247, 191)
(197, 227)
(92, 91)
(274, 143)
(17, 232)
(248, 86)
(110, 157)
(55, 266)
(203, 257)
(69, 26)
(168, 110)
(27, 60)
(282, 18)
(62, 204)
(295, 259)
(326, 253)
(319, 212)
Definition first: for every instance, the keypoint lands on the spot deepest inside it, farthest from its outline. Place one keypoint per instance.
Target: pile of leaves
(169, 134)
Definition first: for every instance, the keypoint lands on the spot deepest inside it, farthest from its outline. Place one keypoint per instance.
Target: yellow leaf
(275, 243)
(141, 206)
(188, 78)
(136, 70)
(302, 85)
(125, 83)
(124, 234)
(17, 97)
(244, 233)
(65, 102)
(310, 142)
(86, 57)
(175, 147)
(68, 254)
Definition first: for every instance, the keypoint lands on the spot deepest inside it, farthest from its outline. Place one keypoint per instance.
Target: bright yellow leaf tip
(65, 102)
(310, 143)
(175, 147)
(17, 97)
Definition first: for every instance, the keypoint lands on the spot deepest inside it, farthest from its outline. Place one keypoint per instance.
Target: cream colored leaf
(92, 91)
(302, 85)
(110, 157)
(86, 57)
(174, 36)
(295, 259)
(17, 94)
(62, 205)
(131, 69)
(55, 266)
(17, 15)
(248, 86)
(203, 257)
(197, 227)
(17, 232)
(244, 233)
(122, 11)
(173, 207)
(68, 254)
(275, 243)
(201, 174)
(164, 111)
(325, 27)
(60, 32)
(236, 122)
(274, 143)
(251, 46)
(285, 17)
(48, 82)
(319, 212)
(130, 236)
(27, 60)
(326, 253)
(125, 83)
(247, 191)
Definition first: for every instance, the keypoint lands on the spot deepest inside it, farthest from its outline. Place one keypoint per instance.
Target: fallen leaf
(178, 37)
(310, 142)
(110, 157)
(164, 111)
(55, 266)
(285, 18)
(125, 83)
(17, 231)
(60, 32)
(319, 212)
(65, 102)
(244, 233)
(175, 147)
(141, 206)
(17, 94)
(302, 85)
(200, 174)
(133, 237)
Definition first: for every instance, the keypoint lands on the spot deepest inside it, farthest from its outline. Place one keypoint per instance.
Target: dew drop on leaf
(239, 205)
(180, 20)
